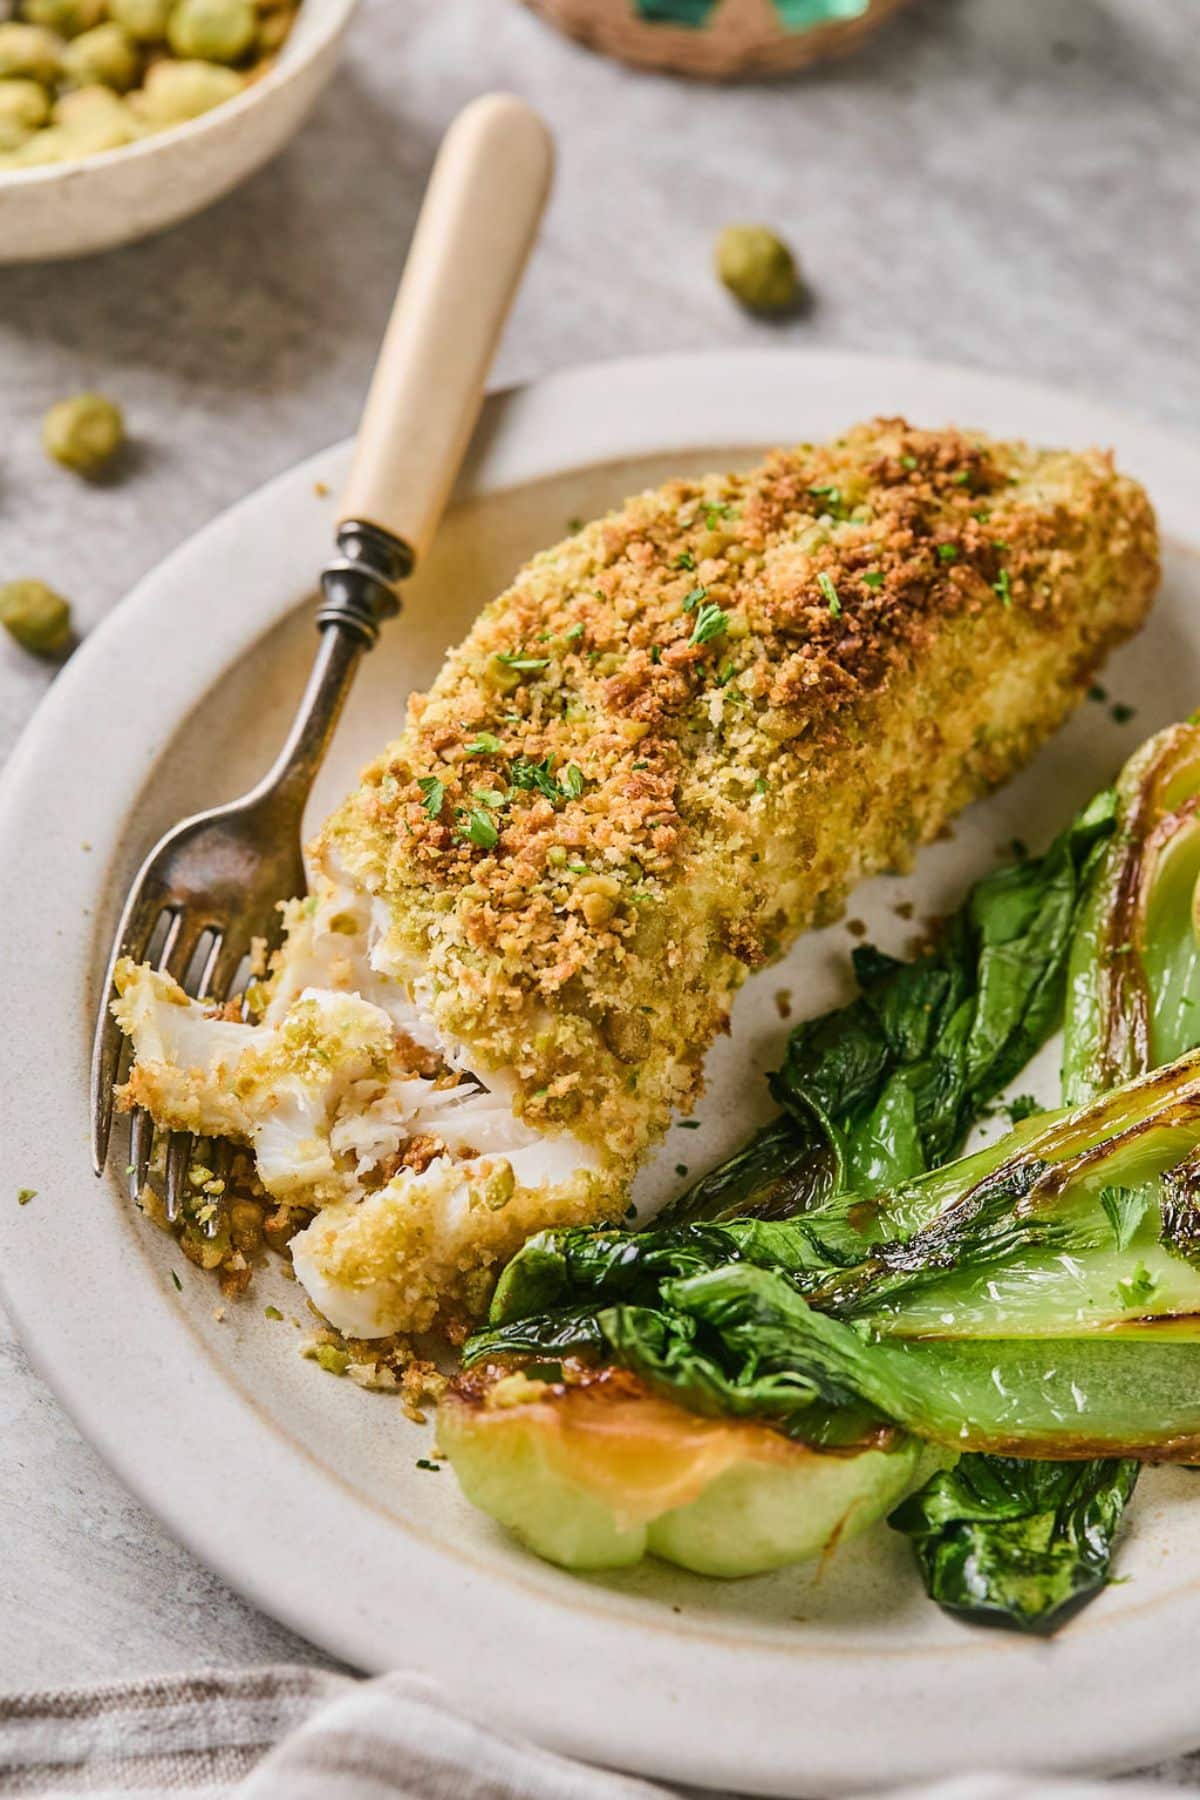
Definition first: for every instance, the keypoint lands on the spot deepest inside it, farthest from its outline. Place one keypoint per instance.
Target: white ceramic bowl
(73, 209)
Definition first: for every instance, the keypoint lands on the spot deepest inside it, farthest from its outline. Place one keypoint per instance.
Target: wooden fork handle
(476, 228)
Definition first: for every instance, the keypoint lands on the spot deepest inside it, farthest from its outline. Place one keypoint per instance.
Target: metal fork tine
(179, 1158)
(141, 1142)
(142, 914)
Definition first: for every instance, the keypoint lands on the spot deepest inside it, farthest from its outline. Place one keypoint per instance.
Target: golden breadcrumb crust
(682, 735)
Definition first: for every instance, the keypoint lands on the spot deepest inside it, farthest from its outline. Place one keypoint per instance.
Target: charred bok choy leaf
(1011, 1542)
(1134, 1002)
(888, 1086)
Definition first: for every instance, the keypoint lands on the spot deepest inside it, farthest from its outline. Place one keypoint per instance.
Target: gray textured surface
(1013, 187)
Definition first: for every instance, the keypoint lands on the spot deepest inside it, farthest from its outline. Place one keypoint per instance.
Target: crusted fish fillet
(674, 743)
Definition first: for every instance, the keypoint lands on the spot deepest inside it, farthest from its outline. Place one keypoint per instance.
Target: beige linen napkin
(284, 1733)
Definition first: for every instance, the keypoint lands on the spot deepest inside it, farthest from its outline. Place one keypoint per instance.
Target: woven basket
(717, 39)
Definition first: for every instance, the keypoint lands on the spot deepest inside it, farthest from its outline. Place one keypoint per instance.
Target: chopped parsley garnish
(25, 1195)
(689, 1124)
(1137, 1289)
(726, 676)
(480, 830)
(908, 462)
(534, 775)
(760, 786)
(641, 765)
(710, 623)
(178, 1283)
(830, 593)
(272, 1312)
(517, 659)
(423, 1462)
(685, 560)
(579, 868)
(1121, 714)
(575, 633)
(486, 744)
(1003, 586)
(574, 524)
(830, 493)
(434, 791)
(571, 781)
(655, 654)
(714, 510)
(873, 578)
(691, 601)
(948, 552)
(963, 478)
(490, 796)
(1097, 693)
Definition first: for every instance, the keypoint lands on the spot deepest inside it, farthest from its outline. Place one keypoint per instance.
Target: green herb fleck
(1125, 1208)
(873, 578)
(831, 594)
(1003, 586)
(1121, 714)
(486, 744)
(655, 654)
(948, 552)
(685, 560)
(178, 1283)
(480, 829)
(25, 1195)
(710, 623)
(760, 786)
(681, 1168)
(272, 1312)
(423, 1462)
(691, 601)
(641, 765)
(331, 1359)
(573, 635)
(963, 478)
(490, 796)
(435, 794)
(689, 1124)
(908, 462)
(830, 493)
(715, 510)
(1098, 694)
(571, 781)
(1137, 1289)
(531, 775)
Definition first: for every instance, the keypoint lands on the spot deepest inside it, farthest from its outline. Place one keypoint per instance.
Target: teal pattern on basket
(794, 15)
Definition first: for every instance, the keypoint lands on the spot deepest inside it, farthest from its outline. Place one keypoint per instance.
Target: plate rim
(607, 411)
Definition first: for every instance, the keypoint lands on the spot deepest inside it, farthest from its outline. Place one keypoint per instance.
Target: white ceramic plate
(301, 1489)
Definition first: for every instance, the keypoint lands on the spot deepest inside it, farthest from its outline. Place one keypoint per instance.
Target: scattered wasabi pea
(37, 617)
(84, 433)
(24, 106)
(69, 17)
(218, 31)
(106, 55)
(30, 51)
(758, 268)
(144, 20)
(176, 91)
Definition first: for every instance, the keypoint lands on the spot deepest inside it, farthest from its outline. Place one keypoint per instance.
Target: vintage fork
(214, 883)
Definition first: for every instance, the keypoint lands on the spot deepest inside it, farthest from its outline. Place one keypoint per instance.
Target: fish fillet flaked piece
(674, 743)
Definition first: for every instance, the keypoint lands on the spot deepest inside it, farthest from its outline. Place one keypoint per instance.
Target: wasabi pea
(37, 617)
(176, 91)
(30, 51)
(24, 105)
(69, 17)
(144, 20)
(218, 31)
(84, 433)
(106, 55)
(757, 268)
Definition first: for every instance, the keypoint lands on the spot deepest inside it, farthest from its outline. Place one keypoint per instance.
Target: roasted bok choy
(869, 1310)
